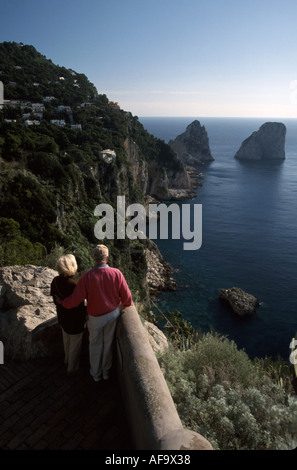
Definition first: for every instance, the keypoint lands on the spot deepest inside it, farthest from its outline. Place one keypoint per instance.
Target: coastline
(159, 272)
(185, 194)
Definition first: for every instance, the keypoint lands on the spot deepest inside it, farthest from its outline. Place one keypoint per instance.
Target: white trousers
(101, 335)
(72, 349)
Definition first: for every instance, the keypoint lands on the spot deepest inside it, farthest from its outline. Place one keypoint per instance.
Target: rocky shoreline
(158, 273)
(194, 177)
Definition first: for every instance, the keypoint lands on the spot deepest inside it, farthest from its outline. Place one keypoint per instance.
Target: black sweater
(72, 320)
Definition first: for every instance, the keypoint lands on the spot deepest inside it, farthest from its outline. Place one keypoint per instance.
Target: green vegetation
(234, 402)
(51, 176)
(28, 75)
(15, 249)
(52, 179)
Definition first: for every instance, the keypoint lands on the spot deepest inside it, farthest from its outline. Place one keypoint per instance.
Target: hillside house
(58, 122)
(48, 99)
(114, 105)
(108, 156)
(31, 123)
(62, 108)
(37, 107)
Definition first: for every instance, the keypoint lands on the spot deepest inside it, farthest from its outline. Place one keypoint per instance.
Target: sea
(249, 238)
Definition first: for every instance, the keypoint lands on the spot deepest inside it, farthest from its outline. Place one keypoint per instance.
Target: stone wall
(29, 329)
(153, 418)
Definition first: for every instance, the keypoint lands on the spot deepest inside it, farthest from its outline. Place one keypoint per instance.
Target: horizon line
(215, 117)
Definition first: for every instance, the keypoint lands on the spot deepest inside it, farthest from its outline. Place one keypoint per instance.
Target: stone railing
(151, 413)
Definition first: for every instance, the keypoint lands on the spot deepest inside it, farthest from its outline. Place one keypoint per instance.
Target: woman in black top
(72, 321)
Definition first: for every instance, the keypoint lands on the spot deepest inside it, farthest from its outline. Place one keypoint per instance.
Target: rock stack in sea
(192, 147)
(268, 143)
(239, 301)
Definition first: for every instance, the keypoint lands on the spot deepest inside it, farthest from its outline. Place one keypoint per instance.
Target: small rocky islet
(268, 143)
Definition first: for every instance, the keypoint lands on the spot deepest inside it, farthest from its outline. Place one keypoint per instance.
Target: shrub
(16, 249)
(229, 399)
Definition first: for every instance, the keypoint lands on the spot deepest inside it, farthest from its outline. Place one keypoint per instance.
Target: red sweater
(104, 288)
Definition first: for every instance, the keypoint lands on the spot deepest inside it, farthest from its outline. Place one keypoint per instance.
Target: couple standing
(106, 291)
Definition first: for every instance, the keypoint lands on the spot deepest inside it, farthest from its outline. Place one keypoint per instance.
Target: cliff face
(192, 147)
(167, 184)
(268, 143)
(53, 170)
(163, 182)
(138, 167)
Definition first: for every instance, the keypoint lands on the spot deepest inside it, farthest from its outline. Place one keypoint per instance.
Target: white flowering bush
(229, 399)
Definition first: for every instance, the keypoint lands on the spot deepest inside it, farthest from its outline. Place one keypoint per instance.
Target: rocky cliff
(161, 181)
(268, 143)
(53, 175)
(28, 320)
(192, 147)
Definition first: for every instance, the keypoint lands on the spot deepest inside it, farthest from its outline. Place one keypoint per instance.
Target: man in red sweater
(106, 291)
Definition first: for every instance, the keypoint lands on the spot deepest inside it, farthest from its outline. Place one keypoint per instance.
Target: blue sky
(170, 57)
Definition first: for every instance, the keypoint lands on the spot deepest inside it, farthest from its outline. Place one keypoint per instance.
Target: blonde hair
(100, 254)
(66, 265)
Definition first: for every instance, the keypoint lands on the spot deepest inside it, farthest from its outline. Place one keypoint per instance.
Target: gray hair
(66, 265)
(100, 254)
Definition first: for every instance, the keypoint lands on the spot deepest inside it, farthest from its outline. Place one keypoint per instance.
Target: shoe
(106, 375)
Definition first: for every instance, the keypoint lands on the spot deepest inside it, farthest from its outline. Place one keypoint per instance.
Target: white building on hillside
(108, 156)
(58, 122)
(28, 123)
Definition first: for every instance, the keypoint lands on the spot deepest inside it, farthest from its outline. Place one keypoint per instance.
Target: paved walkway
(41, 408)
